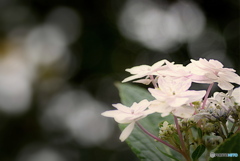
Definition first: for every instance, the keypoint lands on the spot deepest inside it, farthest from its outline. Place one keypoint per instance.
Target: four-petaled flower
(173, 96)
(213, 71)
(125, 115)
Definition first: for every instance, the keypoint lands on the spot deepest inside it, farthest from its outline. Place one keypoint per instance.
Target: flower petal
(193, 95)
(132, 78)
(177, 101)
(236, 95)
(141, 106)
(184, 111)
(224, 85)
(143, 81)
(121, 107)
(127, 131)
(159, 106)
(111, 113)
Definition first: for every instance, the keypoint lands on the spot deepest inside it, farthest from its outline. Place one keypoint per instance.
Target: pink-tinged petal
(230, 77)
(193, 95)
(182, 85)
(132, 78)
(165, 83)
(127, 131)
(165, 114)
(138, 69)
(123, 118)
(177, 101)
(158, 65)
(121, 107)
(216, 63)
(201, 63)
(160, 107)
(148, 112)
(194, 69)
(229, 69)
(211, 76)
(204, 64)
(143, 81)
(111, 113)
(141, 106)
(184, 111)
(200, 79)
(137, 117)
(224, 85)
(158, 94)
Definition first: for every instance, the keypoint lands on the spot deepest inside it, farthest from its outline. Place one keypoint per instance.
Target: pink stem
(206, 95)
(180, 134)
(156, 138)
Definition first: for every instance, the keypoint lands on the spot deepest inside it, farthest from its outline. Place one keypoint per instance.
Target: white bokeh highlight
(161, 29)
(78, 112)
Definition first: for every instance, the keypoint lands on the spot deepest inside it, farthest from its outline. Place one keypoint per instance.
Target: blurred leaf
(168, 155)
(230, 145)
(141, 144)
(198, 152)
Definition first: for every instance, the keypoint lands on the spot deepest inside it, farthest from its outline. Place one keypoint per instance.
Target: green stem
(233, 127)
(225, 128)
(221, 132)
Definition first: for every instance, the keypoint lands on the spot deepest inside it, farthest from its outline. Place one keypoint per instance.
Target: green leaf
(198, 152)
(230, 145)
(168, 155)
(141, 144)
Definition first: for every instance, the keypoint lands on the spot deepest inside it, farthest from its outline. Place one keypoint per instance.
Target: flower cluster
(171, 83)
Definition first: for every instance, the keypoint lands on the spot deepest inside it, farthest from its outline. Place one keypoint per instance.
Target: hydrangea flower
(130, 115)
(213, 71)
(173, 96)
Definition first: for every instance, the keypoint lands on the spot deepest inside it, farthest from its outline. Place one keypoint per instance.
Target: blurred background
(59, 61)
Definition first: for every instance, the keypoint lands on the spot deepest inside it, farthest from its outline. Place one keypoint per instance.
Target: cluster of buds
(166, 130)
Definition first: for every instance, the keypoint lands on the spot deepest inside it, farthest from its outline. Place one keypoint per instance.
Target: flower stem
(156, 138)
(180, 134)
(185, 153)
(207, 94)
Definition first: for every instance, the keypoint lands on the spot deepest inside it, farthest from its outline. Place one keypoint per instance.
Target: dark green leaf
(198, 152)
(169, 155)
(230, 145)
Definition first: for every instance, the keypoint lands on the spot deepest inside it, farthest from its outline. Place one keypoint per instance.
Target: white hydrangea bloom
(213, 71)
(125, 114)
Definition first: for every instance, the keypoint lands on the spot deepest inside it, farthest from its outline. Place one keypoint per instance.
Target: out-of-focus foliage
(59, 61)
